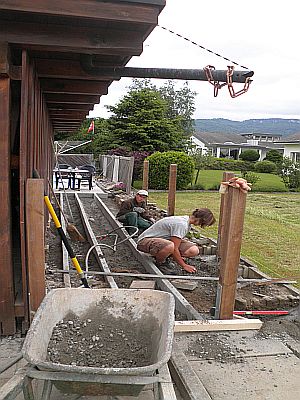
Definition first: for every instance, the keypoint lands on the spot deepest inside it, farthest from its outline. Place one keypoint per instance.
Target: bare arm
(177, 256)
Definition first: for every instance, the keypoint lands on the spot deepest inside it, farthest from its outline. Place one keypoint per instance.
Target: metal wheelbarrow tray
(141, 306)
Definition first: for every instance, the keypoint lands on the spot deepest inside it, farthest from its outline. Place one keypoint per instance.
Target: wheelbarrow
(145, 307)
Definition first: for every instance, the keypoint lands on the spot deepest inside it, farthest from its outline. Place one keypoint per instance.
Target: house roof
(209, 138)
(61, 35)
(294, 137)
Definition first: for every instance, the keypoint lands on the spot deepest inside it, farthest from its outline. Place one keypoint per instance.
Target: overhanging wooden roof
(58, 33)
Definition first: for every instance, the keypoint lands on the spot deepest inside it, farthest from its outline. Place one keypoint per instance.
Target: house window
(224, 153)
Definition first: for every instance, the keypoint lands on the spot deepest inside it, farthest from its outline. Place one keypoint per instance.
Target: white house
(230, 145)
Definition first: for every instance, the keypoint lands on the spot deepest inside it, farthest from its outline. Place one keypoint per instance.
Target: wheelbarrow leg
(28, 390)
(47, 388)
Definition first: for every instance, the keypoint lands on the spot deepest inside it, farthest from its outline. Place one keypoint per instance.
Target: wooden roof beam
(73, 86)
(89, 9)
(71, 98)
(63, 69)
(79, 39)
(70, 114)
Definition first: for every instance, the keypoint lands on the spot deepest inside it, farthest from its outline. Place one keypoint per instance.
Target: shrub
(159, 166)
(249, 155)
(251, 177)
(265, 166)
(290, 173)
(274, 156)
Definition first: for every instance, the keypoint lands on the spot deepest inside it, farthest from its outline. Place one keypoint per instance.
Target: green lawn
(267, 183)
(271, 236)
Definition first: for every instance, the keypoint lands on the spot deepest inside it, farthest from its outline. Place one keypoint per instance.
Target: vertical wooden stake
(35, 242)
(172, 189)
(146, 175)
(233, 214)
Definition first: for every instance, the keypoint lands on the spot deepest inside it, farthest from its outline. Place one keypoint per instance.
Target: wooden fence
(117, 169)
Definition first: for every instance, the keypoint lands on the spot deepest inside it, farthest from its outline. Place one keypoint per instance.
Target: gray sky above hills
(262, 35)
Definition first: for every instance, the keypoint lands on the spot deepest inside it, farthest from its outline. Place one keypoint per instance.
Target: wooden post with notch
(146, 175)
(232, 220)
(35, 242)
(172, 189)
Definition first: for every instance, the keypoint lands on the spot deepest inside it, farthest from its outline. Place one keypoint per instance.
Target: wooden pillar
(35, 243)
(172, 189)
(7, 316)
(233, 213)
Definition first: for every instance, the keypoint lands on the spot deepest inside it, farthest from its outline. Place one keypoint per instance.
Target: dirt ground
(252, 296)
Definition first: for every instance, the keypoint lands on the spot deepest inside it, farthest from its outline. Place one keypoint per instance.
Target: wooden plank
(172, 189)
(90, 9)
(73, 86)
(185, 378)
(78, 39)
(35, 242)
(217, 325)
(7, 317)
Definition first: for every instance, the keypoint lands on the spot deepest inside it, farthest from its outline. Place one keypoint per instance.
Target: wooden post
(146, 175)
(7, 314)
(35, 242)
(223, 208)
(233, 214)
(172, 189)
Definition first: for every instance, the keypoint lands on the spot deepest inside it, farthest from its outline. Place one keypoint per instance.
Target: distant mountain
(270, 125)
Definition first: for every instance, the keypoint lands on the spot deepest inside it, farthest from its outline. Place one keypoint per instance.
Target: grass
(271, 235)
(267, 183)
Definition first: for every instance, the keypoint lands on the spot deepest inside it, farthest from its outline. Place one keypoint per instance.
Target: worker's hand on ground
(139, 210)
(189, 268)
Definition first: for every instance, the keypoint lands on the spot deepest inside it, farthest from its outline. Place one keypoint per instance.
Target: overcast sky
(260, 34)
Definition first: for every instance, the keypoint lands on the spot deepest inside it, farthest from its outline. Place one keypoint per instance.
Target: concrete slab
(262, 378)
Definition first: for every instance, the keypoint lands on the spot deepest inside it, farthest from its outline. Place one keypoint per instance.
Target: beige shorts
(154, 245)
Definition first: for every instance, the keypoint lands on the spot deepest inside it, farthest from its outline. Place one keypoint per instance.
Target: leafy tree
(181, 102)
(249, 155)
(141, 122)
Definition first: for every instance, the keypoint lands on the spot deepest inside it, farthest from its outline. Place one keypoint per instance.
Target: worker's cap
(143, 193)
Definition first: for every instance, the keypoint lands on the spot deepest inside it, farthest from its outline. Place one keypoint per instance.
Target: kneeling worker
(133, 211)
(166, 238)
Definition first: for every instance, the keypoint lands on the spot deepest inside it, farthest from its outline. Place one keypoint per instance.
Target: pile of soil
(100, 340)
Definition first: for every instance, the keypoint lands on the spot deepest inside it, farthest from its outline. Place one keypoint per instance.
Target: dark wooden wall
(25, 144)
